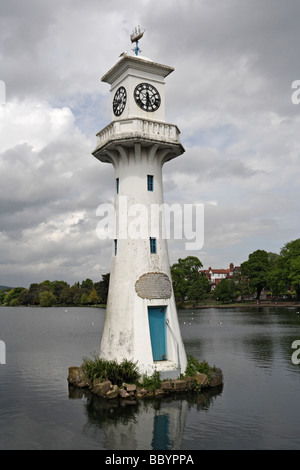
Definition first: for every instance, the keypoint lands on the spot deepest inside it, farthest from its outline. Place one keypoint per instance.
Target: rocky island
(194, 381)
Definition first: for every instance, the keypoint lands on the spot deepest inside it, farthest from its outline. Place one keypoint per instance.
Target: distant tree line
(52, 293)
(278, 274)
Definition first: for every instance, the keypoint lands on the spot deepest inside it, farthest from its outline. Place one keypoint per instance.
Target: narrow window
(117, 185)
(152, 245)
(150, 182)
(116, 246)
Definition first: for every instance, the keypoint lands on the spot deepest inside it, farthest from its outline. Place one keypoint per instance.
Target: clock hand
(148, 100)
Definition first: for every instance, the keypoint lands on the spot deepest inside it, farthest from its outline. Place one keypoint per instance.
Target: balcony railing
(136, 127)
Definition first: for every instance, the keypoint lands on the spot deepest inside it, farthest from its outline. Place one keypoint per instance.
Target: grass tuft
(117, 373)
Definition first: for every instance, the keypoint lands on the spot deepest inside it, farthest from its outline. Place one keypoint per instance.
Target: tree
(46, 285)
(256, 269)
(285, 272)
(12, 295)
(241, 285)
(198, 289)
(77, 292)
(87, 284)
(102, 288)
(58, 287)
(25, 298)
(290, 255)
(84, 299)
(47, 299)
(184, 273)
(66, 296)
(2, 296)
(34, 291)
(93, 297)
(294, 275)
(277, 278)
(224, 291)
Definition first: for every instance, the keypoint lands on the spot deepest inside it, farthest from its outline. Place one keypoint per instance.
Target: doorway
(157, 325)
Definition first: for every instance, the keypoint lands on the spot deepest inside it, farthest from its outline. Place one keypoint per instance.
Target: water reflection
(148, 424)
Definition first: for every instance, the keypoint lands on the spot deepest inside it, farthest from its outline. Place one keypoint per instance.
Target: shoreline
(263, 303)
(243, 305)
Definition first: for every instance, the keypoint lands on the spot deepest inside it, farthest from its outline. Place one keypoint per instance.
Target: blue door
(157, 324)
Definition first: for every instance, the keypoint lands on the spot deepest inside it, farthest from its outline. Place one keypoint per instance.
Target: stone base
(110, 391)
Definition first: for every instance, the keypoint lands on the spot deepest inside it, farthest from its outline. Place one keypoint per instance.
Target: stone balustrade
(137, 127)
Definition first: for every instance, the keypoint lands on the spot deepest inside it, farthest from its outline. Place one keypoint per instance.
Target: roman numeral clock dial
(119, 101)
(147, 97)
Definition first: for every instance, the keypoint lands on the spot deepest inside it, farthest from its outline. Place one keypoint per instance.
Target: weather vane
(136, 35)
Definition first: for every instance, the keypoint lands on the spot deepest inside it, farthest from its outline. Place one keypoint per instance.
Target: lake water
(257, 408)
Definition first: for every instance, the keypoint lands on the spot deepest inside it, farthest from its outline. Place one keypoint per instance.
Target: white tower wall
(139, 146)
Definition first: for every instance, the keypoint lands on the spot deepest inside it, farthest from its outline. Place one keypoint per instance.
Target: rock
(130, 387)
(179, 385)
(201, 379)
(113, 393)
(142, 392)
(76, 377)
(73, 374)
(166, 385)
(139, 394)
(123, 393)
(189, 383)
(216, 379)
(97, 382)
(104, 388)
(101, 388)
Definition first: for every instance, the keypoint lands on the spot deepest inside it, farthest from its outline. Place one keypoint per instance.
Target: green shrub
(151, 382)
(193, 366)
(98, 368)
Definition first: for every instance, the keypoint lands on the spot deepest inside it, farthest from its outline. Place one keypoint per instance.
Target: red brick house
(216, 275)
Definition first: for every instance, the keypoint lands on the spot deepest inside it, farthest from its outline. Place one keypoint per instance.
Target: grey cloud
(230, 95)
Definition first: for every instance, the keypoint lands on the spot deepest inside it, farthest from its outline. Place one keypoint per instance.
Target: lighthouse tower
(141, 322)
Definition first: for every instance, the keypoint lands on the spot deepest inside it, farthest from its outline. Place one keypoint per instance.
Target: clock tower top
(141, 64)
(137, 88)
(137, 107)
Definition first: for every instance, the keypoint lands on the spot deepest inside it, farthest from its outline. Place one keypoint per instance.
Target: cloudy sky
(230, 95)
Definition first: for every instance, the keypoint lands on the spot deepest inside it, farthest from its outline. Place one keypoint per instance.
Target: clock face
(147, 97)
(119, 101)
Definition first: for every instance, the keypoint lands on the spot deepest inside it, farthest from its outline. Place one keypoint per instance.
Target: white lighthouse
(141, 322)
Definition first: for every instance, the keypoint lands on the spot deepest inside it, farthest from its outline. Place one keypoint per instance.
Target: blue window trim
(152, 246)
(150, 182)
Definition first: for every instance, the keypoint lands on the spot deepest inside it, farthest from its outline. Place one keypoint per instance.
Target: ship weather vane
(136, 35)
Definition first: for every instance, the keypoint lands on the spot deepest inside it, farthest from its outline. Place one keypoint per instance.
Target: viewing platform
(137, 128)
